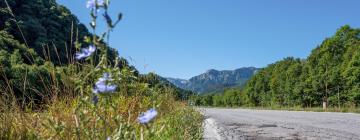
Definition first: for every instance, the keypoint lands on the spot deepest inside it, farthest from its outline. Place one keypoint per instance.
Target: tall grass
(115, 118)
(67, 110)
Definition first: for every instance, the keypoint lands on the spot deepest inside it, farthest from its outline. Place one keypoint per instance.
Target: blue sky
(183, 38)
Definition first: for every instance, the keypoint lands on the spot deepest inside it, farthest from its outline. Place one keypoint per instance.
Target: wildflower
(91, 4)
(85, 52)
(147, 116)
(102, 86)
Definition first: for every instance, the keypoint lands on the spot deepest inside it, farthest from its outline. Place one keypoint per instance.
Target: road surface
(246, 124)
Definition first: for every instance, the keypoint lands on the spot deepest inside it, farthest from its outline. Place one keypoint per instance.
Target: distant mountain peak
(213, 80)
(212, 71)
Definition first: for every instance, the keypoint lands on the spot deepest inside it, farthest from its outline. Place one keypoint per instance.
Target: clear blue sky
(183, 38)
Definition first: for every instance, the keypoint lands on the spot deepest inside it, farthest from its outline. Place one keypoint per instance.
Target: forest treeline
(331, 74)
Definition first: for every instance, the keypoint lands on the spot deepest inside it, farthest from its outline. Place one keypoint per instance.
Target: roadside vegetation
(330, 76)
(59, 81)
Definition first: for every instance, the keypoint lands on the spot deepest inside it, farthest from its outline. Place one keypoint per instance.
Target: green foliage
(184, 124)
(330, 74)
(50, 30)
(229, 98)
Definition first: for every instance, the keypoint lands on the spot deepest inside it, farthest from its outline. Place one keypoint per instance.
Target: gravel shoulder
(246, 124)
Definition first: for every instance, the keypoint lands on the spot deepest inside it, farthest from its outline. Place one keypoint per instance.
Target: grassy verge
(115, 118)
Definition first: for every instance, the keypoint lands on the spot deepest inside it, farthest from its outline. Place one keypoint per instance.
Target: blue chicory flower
(85, 52)
(101, 86)
(91, 4)
(147, 116)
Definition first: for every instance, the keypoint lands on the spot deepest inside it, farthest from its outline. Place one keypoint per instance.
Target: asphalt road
(245, 124)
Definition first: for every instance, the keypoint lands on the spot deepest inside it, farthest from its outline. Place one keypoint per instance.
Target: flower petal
(85, 52)
(147, 116)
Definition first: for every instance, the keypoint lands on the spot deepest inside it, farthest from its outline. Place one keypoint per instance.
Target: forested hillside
(330, 74)
(48, 30)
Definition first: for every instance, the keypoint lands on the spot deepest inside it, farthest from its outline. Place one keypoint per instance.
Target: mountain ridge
(213, 80)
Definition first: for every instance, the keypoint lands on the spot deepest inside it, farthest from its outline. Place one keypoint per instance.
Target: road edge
(211, 130)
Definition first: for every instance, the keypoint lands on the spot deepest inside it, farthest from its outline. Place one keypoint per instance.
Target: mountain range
(214, 80)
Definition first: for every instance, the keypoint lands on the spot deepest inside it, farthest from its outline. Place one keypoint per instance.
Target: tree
(331, 74)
